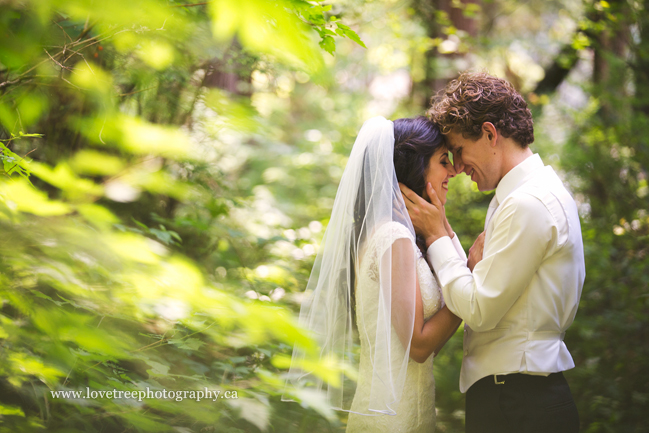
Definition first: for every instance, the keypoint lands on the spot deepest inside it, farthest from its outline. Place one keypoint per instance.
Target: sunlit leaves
(266, 27)
(279, 27)
(131, 247)
(95, 163)
(344, 30)
(142, 15)
(11, 410)
(65, 179)
(92, 77)
(23, 365)
(95, 281)
(21, 196)
(329, 370)
(97, 215)
(26, 110)
(580, 41)
(157, 54)
(137, 136)
(13, 163)
(327, 43)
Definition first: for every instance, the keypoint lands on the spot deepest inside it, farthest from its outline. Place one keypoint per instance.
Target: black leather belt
(501, 379)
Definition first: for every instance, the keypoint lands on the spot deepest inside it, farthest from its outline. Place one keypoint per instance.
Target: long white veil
(368, 197)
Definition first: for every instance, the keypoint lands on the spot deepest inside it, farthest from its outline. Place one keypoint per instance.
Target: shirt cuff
(458, 247)
(440, 252)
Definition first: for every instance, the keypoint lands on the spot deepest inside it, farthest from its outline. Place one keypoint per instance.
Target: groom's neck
(513, 154)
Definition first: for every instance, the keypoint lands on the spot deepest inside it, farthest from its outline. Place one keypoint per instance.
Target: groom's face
(474, 158)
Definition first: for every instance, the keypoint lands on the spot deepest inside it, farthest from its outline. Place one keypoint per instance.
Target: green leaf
(328, 44)
(157, 369)
(354, 37)
(189, 343)
(11, 410)
(95, 163)
(22, 197)
(66, 180)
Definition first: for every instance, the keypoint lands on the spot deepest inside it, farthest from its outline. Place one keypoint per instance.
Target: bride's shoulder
(390, 231)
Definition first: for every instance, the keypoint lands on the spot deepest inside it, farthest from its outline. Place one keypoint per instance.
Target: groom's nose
(458, 165)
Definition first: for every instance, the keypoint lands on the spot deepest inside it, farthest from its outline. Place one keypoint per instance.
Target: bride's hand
(427, 218)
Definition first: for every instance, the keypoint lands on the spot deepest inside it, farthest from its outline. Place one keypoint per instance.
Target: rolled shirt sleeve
(518, 239)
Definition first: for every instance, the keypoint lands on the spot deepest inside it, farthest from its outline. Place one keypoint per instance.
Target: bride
(372, 286)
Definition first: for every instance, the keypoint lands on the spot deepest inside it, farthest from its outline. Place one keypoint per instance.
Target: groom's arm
(521, 236)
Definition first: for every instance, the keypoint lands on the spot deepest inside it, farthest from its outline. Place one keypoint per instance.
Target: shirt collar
(517, 175)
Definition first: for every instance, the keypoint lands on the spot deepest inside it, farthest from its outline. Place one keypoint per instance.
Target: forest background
(169, 168)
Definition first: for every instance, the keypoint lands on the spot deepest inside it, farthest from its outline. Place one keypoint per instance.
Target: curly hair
(475, 98)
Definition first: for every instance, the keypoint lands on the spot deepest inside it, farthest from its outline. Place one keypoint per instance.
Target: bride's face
(439, 171)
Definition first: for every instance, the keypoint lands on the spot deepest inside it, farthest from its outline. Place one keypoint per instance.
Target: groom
(524, 290)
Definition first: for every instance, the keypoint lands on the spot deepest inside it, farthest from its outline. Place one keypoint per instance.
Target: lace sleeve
(384, 237)
(388, 233)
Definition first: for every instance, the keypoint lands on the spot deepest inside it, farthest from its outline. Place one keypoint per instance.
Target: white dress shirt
(523, 295)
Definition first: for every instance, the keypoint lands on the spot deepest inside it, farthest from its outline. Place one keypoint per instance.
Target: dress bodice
(416, 409)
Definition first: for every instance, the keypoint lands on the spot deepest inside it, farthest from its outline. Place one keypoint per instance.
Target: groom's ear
(491, 132)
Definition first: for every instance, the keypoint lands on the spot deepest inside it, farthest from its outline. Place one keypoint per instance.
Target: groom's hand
(475, 252)
(427, 218)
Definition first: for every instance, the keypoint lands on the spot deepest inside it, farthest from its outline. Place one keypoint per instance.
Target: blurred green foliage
(169, 169)
(122, 266)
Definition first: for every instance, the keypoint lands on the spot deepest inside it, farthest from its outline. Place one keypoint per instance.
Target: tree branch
(561, 66)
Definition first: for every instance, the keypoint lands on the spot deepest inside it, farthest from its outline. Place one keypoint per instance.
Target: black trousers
(522, 404)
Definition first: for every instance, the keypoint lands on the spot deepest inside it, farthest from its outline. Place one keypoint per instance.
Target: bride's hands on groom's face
(428, 219)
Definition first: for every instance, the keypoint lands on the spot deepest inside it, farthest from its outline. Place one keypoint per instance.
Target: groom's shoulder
(544, 191)
(546, 185)
(547, 193)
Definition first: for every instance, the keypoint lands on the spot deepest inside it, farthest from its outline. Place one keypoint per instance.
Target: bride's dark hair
(415, 141)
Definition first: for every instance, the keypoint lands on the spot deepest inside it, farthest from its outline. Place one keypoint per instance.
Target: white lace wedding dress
(416, 409)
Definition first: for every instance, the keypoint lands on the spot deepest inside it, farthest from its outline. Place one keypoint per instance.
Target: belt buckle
(496, 380)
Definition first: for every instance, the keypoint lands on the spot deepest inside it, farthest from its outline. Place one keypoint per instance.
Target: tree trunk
(641, 69)
(232, 72)
(428, 10)
(609, 61)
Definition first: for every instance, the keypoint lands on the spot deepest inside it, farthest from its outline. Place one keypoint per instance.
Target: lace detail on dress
(380, 242)
(416, 409)
(431, 295)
